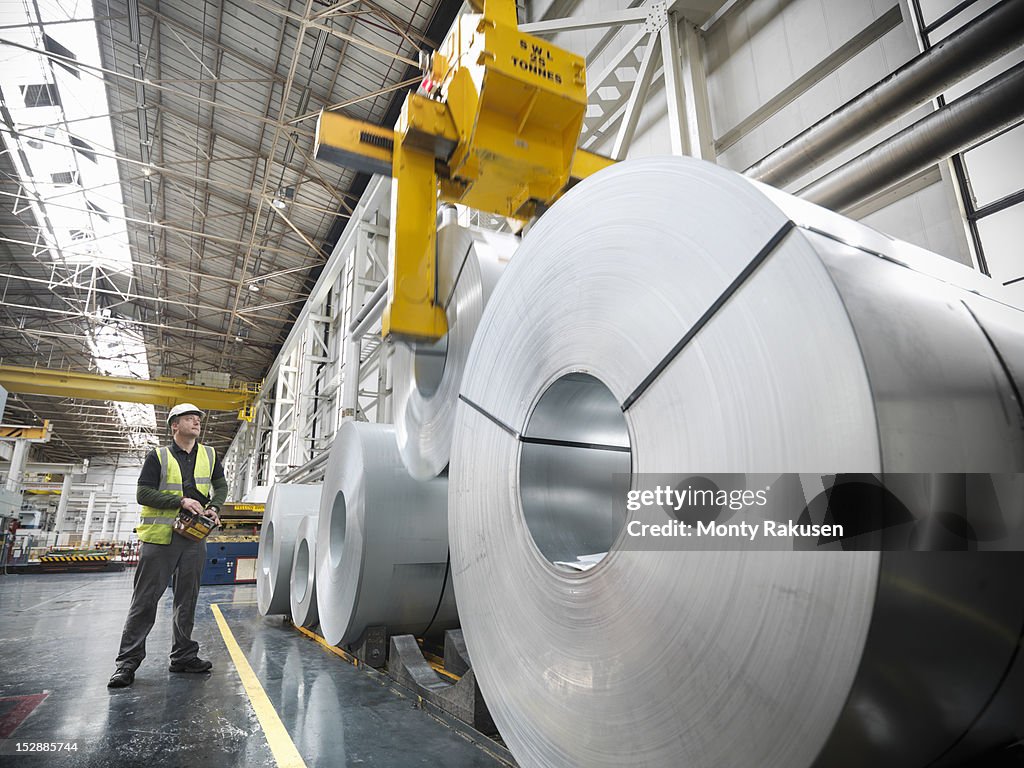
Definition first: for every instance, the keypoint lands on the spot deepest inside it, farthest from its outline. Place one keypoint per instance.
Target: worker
(185, 476)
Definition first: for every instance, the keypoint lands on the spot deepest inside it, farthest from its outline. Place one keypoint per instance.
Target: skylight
(122, 352)
(58, 134)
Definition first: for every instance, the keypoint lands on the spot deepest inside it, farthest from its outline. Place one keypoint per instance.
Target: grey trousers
(157, 562)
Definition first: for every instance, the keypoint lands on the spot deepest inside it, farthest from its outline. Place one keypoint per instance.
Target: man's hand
(191, 505)
(212, 512)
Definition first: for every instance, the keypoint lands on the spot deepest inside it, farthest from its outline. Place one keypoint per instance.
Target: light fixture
(282, 197)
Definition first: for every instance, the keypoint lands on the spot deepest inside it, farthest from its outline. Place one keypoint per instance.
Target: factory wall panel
(750, 54)
(775, 67)
(120, 478)
(923, 218)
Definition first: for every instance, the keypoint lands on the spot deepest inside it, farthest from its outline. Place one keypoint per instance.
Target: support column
(695, 86)
(117, 524)
(355, 296)
(18, 460)
(62, 505)
(88, 517)
(671, 56)
(384, 412)
(106, 520)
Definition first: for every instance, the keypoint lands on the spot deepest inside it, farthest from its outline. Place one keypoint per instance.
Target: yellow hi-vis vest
(158, 524)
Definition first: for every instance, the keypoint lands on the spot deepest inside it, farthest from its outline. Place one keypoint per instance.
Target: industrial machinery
(231, 549)
(493, 125)
(229, 562)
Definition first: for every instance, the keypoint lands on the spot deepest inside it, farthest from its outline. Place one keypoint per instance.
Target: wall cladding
(775, 67)
(120, 479)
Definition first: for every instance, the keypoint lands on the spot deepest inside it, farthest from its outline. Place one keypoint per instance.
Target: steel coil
(302, 591)
(286, 506)
(669, 316)
(427, 376)
(382, 541)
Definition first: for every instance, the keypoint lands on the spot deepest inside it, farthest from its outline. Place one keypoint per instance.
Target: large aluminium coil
(382, 542)
(427, 376)
(670, 316)
(302, 592)
(286, 506)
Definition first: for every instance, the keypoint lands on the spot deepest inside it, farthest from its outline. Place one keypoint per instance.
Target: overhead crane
(39, 434)
(493, 126)
(92, 386)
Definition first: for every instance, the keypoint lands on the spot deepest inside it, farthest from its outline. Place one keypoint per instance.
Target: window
(54, 47)
(97, 210)
(83, 148)
(42, 95)
(63, 178)
(989, 183)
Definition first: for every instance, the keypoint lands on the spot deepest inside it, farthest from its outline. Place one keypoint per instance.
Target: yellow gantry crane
(92, 386)
(493, 126)
(20, 432)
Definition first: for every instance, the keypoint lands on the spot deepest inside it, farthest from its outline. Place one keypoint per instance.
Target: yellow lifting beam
(93, 386)
(493, 126)
(18, 432)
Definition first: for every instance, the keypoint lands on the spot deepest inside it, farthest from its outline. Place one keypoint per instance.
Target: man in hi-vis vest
(185, 475)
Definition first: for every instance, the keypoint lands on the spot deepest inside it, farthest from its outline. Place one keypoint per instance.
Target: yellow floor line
(281, 744)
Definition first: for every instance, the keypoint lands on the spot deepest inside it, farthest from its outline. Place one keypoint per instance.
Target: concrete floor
(58, 638)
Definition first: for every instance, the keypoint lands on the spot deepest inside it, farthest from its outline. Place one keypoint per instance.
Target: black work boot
(194, 664)
(124, 677)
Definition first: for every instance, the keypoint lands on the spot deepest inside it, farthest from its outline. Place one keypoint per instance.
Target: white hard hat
(180, 410)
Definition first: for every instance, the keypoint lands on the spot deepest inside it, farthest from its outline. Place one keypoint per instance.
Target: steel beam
(675, 94)
(26, 434)
(699, 136)
(637, 98)
(91, 386)
(612, 19)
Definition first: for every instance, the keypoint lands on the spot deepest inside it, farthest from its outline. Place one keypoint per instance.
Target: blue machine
(230, 562)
